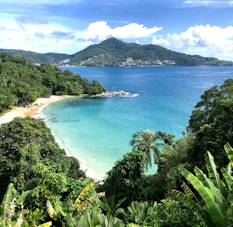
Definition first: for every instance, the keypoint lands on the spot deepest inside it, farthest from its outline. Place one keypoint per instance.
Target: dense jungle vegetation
(41, 186)
(22, 82)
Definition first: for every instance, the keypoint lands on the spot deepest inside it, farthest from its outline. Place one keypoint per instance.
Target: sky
(203, 27)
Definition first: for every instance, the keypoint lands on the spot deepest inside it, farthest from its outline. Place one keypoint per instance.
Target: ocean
(98, 131)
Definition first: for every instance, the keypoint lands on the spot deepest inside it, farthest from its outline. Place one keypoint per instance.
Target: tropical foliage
(26, 143)
(215, 201)
(126, 178)
(41, 186)
(150, 143)
(13, 214)
(22, 82)
(210, 124)
(40, 172)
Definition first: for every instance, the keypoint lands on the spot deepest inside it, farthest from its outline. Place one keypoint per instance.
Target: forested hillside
(22, 82)
(41, 186)
(114, 52)
(42, 58)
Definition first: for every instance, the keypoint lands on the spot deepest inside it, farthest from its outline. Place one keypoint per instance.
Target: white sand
(9, 116)
(36, 108)
(30, 110)
(90, 173)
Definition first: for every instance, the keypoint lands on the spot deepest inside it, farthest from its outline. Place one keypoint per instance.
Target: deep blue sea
(98, 131)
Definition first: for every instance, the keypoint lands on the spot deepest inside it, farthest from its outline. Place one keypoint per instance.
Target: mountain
(114, 52)
(51, 58)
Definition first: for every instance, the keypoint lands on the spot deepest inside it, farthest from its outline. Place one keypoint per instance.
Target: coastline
(35, 109)
(83, 165)
(31, 110)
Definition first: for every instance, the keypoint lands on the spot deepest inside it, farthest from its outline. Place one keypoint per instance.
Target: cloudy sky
(203, 27)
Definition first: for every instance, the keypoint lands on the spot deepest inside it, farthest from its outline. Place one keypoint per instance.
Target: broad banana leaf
(219, 198)
(213, 208)
(228, 178)
(229, 152)
(213, 174)
(10, 193)
(82, 194)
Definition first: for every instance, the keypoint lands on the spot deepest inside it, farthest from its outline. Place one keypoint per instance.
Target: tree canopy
(125, 179)
(41, 186)
(211, 124)
(22, 82)
(26, 142)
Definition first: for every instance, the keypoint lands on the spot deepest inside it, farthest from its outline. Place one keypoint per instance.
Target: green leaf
(209, 184)
(82, 194)
(229, 152)
(228, 178)
(10, 193)
(212, 170)
(194, 206)
(1, 211)
(214, 209)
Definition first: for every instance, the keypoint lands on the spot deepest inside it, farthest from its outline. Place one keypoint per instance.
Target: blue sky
(203, 27)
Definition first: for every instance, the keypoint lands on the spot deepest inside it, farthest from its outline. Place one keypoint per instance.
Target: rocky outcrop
(113, 94)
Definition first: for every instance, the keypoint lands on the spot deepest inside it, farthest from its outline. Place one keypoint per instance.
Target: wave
(131, 95)
(40, 115)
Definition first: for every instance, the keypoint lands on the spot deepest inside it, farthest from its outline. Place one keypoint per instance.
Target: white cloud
(96, 31)
(134, 30)
(100, 30)
(216, 3)
(44, 37)
(36, 35)
(206, 40)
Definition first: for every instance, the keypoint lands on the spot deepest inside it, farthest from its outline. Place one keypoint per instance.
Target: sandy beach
(35, 109)
(32, 109)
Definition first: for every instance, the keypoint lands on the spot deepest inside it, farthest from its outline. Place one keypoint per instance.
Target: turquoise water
(98, 131)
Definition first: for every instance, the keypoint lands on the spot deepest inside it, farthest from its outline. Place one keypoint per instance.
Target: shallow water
(98, 131)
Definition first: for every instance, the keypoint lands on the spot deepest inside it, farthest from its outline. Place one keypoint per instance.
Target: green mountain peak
(114, 52)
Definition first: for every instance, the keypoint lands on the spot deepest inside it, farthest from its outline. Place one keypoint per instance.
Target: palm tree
(165, 138)
(145, 141)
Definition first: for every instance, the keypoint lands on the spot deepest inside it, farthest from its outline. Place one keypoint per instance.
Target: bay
(98, 131)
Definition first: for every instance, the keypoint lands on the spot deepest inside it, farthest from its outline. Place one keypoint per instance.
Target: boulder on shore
(110, 94)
